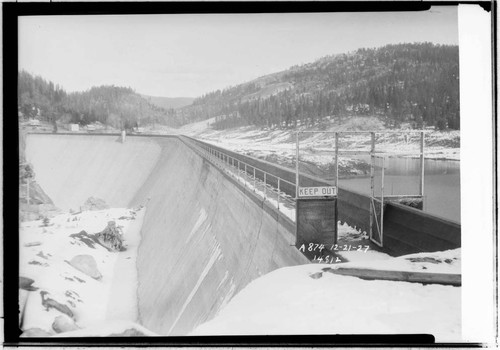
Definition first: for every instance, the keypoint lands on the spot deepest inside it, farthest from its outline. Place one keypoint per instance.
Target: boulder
(93, 203)
(110, 237)
(131, 332)
(316, 275)
(35, 332)
(49, 303)
(26, 283)
(32, 244)
(63, 324)
(87, 265)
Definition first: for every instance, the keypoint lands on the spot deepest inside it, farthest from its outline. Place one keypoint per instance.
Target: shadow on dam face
(203, 239)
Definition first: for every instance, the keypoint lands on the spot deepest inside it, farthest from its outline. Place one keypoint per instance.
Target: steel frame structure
(376, 223)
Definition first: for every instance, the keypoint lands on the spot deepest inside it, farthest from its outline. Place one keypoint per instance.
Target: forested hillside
(169, 102)
(404, 83)
(111, 105)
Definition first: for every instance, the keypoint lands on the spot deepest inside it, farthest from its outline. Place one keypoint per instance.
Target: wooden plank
(401, 276)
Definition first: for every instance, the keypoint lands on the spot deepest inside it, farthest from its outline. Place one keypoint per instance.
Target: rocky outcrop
(111, 237)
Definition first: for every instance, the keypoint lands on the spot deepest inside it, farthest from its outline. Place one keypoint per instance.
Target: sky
(189, 55)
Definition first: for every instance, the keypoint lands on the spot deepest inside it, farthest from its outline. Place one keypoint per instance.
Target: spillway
(203, 239)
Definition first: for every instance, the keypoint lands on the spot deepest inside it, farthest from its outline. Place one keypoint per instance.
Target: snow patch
(90, 301)
(289, 301)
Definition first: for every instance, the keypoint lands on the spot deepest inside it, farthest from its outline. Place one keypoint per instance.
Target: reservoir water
(402, 176)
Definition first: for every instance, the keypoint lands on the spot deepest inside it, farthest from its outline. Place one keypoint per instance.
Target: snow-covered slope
(307, 300)
(61, 290)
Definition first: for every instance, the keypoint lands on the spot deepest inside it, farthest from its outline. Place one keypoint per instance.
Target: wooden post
(297, 169)
(422, 148)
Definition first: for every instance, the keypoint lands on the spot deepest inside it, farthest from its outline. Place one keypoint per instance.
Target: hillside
(405, 83)
(119, 107)
(169, 102)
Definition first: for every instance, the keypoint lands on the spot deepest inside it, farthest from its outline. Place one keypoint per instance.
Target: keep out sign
(326, 191)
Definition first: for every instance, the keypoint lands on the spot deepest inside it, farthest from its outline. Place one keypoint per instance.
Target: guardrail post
(254, 180)
(239, 170)
(278, 193)
(265, 187)
(245, 176)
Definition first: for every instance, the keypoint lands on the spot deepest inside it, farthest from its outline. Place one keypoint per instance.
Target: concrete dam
(204, 237)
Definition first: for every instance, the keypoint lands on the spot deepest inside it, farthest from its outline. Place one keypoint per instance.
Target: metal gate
(377, 201)
(379, 164)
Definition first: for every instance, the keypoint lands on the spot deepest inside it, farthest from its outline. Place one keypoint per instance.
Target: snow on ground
(197, 127)
(318, 148)
(448, 261)
(46, 249)
(287, 301)
(306, 300)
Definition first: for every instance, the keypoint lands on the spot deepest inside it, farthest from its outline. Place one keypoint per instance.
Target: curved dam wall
(203, 239)
(72, 168)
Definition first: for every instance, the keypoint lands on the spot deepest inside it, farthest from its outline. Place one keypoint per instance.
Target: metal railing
(268, 186)
(257, 180)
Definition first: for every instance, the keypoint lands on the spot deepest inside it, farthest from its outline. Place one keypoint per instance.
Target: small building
(74, 127)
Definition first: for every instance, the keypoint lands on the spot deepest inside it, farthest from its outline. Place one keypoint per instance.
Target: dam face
(203, 239)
